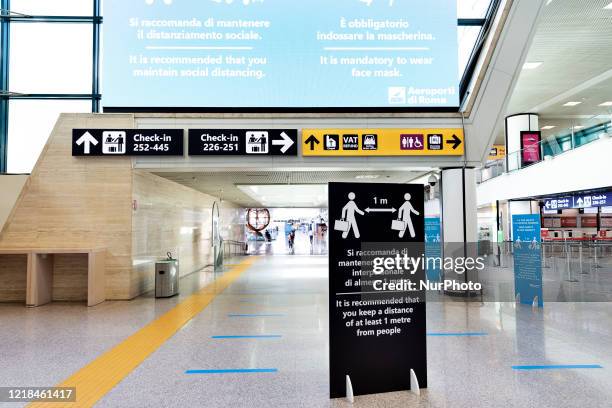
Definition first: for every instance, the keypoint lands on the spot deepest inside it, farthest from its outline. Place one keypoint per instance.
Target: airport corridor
(262, 341)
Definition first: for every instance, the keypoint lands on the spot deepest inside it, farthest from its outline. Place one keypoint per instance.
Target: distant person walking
(291, 239)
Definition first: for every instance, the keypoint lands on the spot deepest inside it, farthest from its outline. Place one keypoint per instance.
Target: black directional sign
(127, 142)
(238, 142)
(455, 142)
(376, 309)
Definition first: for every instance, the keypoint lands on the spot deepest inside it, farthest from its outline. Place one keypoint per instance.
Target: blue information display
(280, 54)
(527, 258)
(433, 248)
(579, 201)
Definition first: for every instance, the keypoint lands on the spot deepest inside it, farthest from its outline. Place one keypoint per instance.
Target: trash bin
(166, 277)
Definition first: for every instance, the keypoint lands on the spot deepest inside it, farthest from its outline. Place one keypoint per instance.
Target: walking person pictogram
(348, 220)
(518, 243)
(404, 220)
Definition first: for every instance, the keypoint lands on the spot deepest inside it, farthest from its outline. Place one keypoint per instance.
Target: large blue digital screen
(280, 53)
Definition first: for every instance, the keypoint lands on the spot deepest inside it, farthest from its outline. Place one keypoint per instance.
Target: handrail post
(4, 85)
(568, 254)
(580, 258)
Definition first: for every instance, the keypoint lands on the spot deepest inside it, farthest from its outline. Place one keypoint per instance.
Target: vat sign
(127, 142)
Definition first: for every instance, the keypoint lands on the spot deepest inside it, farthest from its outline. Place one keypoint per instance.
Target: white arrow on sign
(88, 139)
(286, 142)
(548, 205)
(391, 210)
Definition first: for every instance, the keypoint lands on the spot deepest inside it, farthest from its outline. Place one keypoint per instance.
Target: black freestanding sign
(376, 330)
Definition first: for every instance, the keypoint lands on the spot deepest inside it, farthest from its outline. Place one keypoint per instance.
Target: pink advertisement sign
(530, 147)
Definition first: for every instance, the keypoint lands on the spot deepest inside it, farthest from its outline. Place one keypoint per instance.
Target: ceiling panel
(225, 184)
(573, 41)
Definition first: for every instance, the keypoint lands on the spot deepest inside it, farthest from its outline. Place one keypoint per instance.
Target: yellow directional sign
(497, 152)
(383, 142)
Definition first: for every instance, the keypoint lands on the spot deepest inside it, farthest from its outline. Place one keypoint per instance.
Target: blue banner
(433, 247)
(527, 258)
(579, 201)
(280, 54)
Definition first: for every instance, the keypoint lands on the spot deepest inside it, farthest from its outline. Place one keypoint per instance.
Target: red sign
(588, 222)
(530, 147)
(545, 233)
(569, 222)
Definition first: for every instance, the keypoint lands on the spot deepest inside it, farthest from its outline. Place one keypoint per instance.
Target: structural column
(459, 219)
(515, 124)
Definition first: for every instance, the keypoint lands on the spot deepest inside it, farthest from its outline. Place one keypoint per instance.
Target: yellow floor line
(97, 378)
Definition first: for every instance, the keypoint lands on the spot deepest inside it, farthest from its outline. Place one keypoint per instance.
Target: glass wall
(574, 136)
(53, 7)
(50, 67)
(30, 123)
(50, 58)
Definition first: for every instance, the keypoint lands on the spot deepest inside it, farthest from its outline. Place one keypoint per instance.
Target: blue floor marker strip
(233, 371)
(255, 336)
(458, 334)
(555, 367)
(255, 315)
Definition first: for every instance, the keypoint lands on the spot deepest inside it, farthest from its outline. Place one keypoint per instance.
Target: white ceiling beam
(566, 95)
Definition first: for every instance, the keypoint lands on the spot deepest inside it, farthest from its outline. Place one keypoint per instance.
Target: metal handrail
(234, 248)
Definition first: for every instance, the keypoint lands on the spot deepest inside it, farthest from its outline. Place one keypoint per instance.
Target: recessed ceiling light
(572, 103)
(547, 127)
(608, 7)
(579, 127)
(531, 65)
(608, 103)
(367, 176)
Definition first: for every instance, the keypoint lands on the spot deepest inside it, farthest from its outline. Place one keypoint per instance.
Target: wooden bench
(39, 288)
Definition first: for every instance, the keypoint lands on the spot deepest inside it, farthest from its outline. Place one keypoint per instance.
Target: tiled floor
(42, 346)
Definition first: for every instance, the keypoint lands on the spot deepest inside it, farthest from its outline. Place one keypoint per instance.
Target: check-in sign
(127, 142)
(243, 142)
(383, 142)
